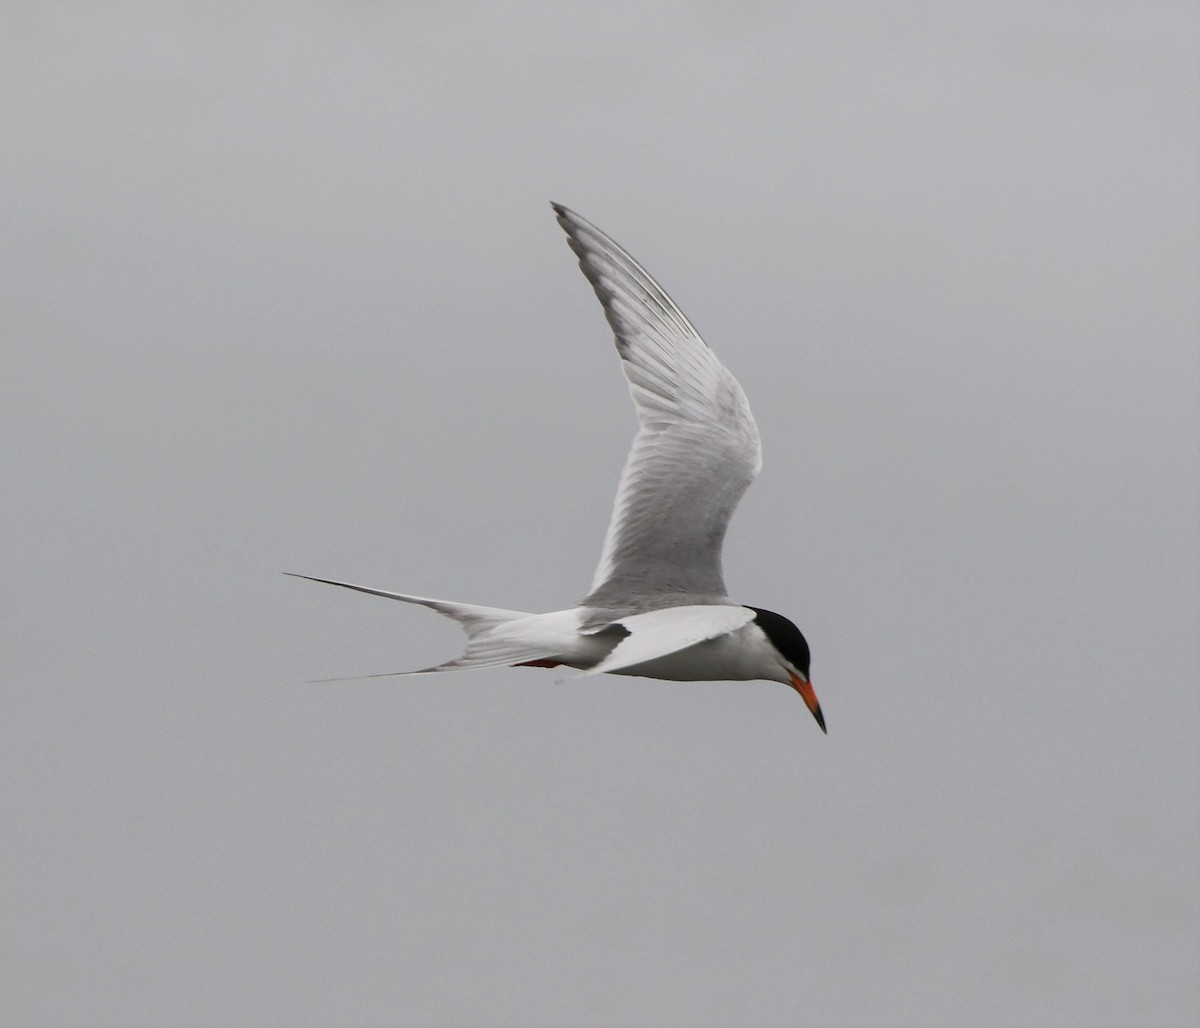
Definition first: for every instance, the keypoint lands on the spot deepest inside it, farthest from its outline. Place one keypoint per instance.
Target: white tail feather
(487, 645)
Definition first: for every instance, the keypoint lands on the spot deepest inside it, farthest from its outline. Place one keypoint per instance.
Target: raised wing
(659, 633)
(696, 450)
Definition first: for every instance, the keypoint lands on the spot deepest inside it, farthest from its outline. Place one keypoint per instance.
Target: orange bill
(804, 687)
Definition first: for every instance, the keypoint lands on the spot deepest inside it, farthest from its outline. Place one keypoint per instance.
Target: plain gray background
(282, 292)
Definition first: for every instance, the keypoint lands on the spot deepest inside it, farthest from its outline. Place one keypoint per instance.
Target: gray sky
(281, 290)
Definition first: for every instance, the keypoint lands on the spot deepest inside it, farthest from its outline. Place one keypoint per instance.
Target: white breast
(741, 656)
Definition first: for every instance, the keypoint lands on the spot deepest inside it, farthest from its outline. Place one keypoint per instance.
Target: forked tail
(488, 643)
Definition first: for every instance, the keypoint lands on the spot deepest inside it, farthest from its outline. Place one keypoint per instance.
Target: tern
(658, 607)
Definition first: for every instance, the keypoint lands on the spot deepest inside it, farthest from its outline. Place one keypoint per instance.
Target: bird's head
(794, 657)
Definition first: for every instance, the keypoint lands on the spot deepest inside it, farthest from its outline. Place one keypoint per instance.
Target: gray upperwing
(697, 447)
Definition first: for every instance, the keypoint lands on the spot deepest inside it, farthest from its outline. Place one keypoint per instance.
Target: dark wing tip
(571, 222)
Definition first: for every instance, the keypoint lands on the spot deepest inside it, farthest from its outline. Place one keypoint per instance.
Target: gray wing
(696, 450)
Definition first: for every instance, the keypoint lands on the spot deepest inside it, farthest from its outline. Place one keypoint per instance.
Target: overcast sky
(281, 291)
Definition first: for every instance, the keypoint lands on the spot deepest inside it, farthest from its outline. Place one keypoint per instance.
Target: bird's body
(657, 607)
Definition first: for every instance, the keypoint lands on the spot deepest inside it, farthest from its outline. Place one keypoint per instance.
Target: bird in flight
(657, 606)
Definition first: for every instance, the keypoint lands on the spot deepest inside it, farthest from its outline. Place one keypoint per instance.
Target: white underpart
(658, 634)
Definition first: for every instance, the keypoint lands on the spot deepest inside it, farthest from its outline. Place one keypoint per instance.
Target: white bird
(657, 606)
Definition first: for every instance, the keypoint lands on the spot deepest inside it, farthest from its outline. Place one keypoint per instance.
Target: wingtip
(567, 218)
(571, 222)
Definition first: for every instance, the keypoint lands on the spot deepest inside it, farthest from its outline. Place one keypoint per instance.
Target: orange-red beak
(805, 689)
